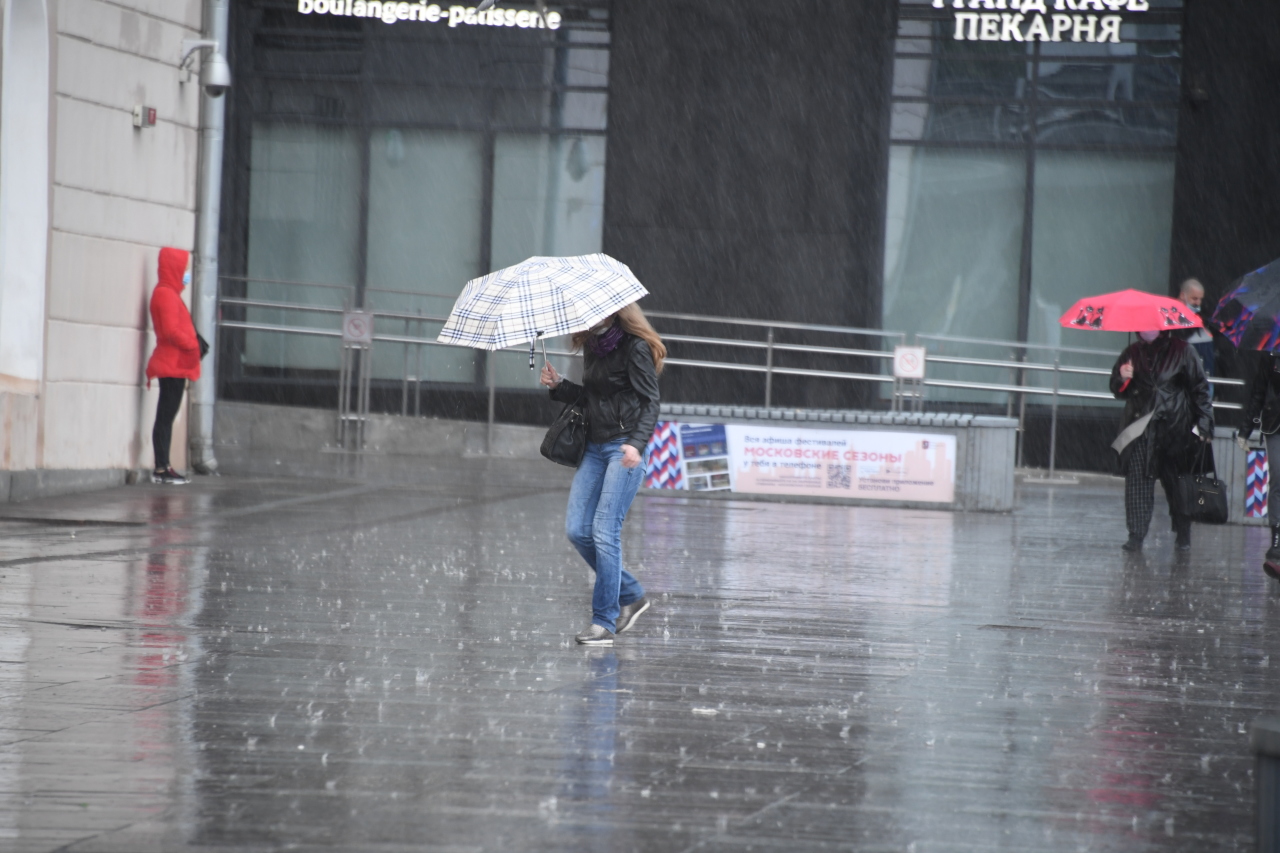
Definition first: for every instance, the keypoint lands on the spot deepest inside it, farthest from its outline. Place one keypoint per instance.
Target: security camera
(215, 75)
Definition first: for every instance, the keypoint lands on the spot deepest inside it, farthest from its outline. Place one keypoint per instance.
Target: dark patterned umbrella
(1249, 316)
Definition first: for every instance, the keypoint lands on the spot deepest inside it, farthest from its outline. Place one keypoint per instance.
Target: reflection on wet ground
(378, 656)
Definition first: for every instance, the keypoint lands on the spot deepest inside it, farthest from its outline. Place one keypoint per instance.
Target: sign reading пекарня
(1040, 20)
(391, 12)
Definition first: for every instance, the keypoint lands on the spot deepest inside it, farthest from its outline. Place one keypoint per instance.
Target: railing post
(488, 438)
(768, 371)
(366, 374)
(1022, 408)
(344, 395)
(404, 387)
(1053, 423)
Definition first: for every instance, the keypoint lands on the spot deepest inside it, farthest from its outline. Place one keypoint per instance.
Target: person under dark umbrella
(1167, 408)
(1262, 414)
(1249, 317)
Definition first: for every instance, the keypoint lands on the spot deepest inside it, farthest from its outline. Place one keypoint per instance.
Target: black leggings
(166, 410)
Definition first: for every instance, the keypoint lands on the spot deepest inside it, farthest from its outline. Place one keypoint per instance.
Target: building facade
(937, 168)
(86, 200)
(957, 170)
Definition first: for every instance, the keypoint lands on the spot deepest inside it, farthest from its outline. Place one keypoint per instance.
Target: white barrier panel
(825, 463)
(894, 466)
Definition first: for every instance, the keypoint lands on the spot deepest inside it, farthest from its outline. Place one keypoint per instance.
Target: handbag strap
(1200, 468)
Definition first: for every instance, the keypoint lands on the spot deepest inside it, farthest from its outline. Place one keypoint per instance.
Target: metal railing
(1019, 367)
(349, 371)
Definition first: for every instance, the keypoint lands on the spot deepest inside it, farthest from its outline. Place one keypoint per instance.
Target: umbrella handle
(533, 349)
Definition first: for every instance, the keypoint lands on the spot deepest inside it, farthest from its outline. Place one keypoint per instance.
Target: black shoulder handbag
(566, 439)
(1201, 495)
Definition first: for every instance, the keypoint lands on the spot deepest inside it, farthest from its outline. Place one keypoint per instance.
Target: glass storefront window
(548, 200)
(954, 241)
(1102, 223)
(1070, 140)
(389, 165)
(426, 204)
(304, 228)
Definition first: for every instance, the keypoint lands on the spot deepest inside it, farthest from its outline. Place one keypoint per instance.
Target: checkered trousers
(1140, 487)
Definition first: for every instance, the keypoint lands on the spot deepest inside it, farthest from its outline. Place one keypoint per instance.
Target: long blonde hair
(633, 322)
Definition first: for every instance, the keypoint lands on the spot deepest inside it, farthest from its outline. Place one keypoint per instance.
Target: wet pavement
(378, 656)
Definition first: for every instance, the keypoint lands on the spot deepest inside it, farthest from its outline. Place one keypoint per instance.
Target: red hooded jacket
(177, 353)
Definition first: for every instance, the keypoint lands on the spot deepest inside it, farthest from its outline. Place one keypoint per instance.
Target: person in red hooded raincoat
(176, 358)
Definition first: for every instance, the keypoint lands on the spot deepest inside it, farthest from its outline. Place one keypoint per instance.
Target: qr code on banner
(839, 477)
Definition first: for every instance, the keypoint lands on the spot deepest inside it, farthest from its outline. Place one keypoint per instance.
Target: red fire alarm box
(144, 116)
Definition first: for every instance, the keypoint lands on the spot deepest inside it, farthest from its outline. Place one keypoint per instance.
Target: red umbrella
(1130, 311)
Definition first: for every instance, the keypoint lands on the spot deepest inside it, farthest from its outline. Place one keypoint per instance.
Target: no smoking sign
(908, 362)
(357, 328)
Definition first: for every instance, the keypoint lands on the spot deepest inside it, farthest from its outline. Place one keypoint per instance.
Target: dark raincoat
(1168, 382)
(1262, 412)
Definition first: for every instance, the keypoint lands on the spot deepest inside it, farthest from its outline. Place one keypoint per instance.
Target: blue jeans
(601, 494)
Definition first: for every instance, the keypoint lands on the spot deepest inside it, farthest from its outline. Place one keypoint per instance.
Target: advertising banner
(770, 460)
(706, 457)
(889, 466)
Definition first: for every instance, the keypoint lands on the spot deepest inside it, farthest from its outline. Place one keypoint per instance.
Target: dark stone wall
(1226, 219)
(747, 157)
(1227, 192)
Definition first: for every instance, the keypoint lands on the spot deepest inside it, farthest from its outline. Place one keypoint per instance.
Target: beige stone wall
(118, 195)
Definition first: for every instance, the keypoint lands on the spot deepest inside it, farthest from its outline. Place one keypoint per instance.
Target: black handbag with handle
(1201, 496)
(566, 439)
(200, 341)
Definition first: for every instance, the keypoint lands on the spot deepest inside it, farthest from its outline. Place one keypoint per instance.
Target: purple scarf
(604, 344)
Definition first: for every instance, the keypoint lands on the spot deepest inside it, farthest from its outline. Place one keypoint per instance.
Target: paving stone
(375, 653)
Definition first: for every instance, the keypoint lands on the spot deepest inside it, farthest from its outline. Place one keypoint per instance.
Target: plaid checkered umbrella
(539, 297)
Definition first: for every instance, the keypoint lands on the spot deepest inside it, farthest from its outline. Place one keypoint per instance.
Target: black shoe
(629, 613)
(169, 477)
(595, 635)
(1134, 544)
(1271, 565)
(1182, 541)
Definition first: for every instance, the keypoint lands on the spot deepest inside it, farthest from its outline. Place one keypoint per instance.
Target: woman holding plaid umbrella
(591, 297)
(622, 357)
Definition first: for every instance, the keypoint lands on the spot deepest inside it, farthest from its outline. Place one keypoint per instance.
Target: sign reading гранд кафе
(1035, 20)
(432, 13)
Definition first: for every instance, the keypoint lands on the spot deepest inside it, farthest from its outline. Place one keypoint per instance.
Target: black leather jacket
(621, 393)
(1263, 409)
(1168, 381)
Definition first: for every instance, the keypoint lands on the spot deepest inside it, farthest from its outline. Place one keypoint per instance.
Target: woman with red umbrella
(1167, 408)
(1168, 412)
